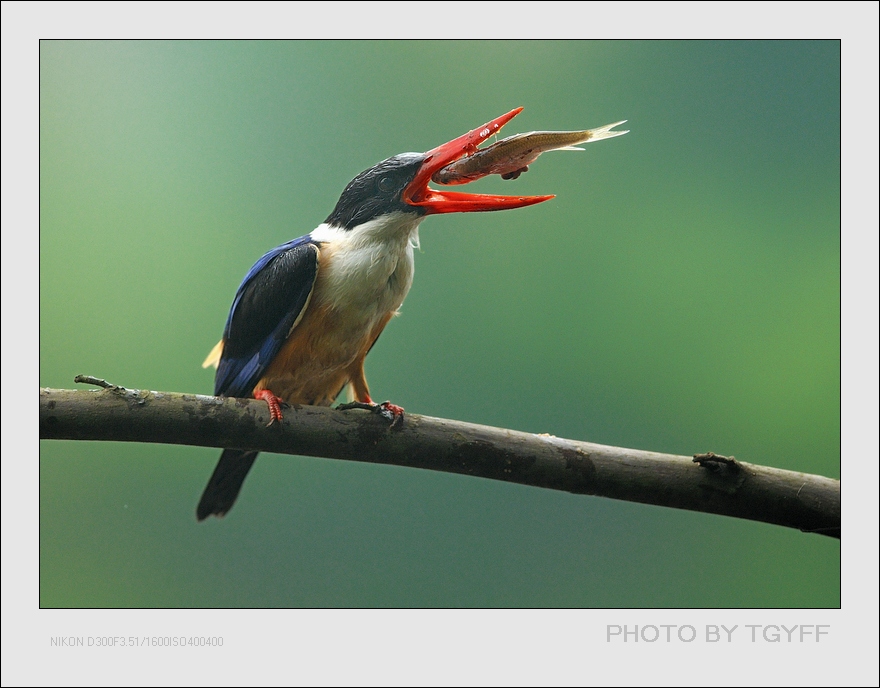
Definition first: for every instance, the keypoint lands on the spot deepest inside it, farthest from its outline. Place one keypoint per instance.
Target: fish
(512, 156)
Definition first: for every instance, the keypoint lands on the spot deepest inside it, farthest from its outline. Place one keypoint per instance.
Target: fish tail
(605, 132)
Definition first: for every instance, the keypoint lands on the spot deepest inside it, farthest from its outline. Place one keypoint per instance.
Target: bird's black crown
(377, 191)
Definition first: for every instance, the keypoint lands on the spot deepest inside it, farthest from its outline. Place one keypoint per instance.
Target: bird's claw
(390, 412)
(275, 404)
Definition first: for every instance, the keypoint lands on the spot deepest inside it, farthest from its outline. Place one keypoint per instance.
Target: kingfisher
(308, 312)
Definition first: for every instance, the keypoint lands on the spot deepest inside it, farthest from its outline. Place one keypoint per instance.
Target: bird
(307, 313)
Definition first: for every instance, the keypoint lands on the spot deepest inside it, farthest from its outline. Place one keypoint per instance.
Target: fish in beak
(418, 194)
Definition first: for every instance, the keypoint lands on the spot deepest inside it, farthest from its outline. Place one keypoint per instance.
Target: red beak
(419, 194)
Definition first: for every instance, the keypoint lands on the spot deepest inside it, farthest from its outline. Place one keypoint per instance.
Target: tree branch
(706, 482)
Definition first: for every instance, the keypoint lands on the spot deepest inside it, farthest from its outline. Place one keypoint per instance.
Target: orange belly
(324, 353)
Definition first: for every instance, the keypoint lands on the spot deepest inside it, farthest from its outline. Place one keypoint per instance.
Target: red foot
(274, 404)
(395, 410)
(386, 409)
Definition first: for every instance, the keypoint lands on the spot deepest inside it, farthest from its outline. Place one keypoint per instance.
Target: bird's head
(400, 184)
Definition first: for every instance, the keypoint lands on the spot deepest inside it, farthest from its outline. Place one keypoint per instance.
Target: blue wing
(270, 299)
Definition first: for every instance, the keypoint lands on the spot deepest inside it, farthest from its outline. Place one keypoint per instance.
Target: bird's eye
(386, 184)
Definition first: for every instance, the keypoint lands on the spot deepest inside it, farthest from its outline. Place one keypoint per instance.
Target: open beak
(418, 194)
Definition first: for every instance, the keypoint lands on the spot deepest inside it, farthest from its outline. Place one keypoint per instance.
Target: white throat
(369, 268)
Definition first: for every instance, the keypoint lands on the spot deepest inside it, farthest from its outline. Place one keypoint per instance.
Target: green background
(681, 294)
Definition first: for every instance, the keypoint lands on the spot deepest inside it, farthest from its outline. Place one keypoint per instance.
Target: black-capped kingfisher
(308, 312)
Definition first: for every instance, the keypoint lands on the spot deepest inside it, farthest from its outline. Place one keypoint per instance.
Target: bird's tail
(225, 483)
